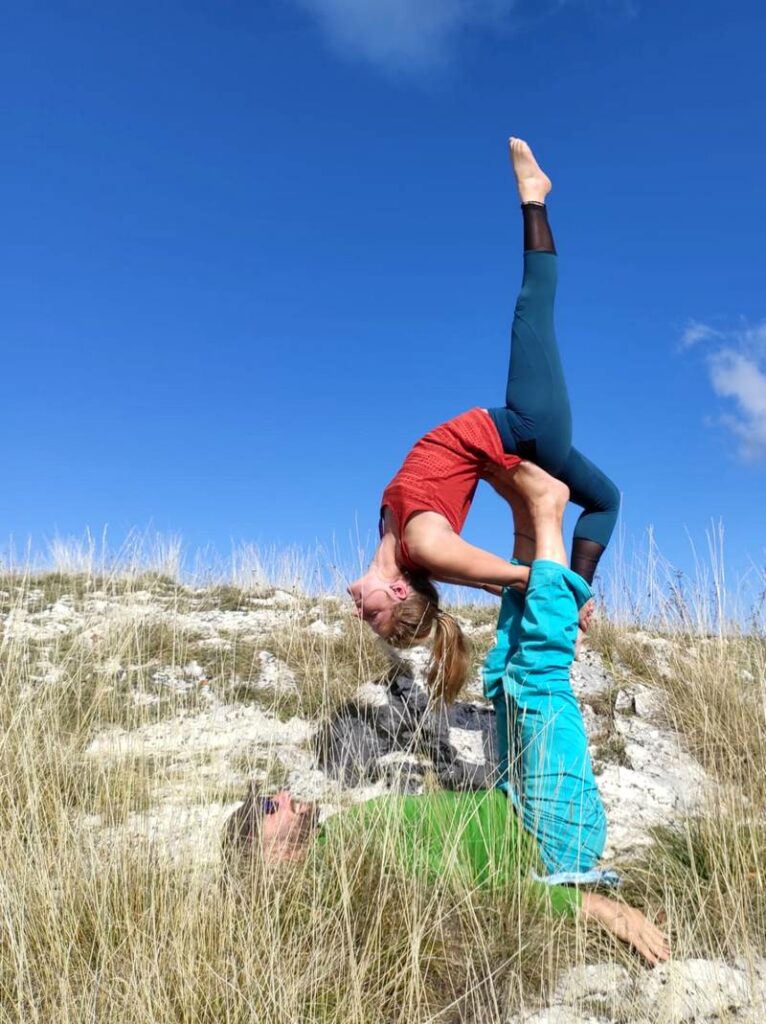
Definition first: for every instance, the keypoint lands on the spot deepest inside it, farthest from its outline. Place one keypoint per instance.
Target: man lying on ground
(476, 837)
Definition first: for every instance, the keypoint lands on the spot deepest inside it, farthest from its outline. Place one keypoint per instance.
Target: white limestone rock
(597, 988)
(590, 678)
(21, 624)
(469, 744)
(373, 695)
(699, 992)
(184, 831)
(274, 674)
(658, 652)
(594, 724)
(413, 662)
(557, 1015)
(662, 784)
(194, 671)
(637, 699)
(321, 628)
(173, 680)
(635, 802)
(234, 728)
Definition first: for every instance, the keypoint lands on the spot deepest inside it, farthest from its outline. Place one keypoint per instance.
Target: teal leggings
(536, 421)
(545, 767)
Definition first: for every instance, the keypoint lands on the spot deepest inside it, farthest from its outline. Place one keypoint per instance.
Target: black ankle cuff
(538, 236)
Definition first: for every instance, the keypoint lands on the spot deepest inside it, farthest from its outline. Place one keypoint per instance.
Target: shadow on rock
(397, 736)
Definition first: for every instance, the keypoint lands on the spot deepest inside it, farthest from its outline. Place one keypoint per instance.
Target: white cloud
(422, 35)
(695, 332)
(405, 34)
(737, 370)
(739, 378)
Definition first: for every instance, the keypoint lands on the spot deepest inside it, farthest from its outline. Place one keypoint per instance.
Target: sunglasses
(267, 805)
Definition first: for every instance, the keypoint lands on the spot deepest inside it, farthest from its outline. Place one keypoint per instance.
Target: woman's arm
(445, 554)
(491, 588)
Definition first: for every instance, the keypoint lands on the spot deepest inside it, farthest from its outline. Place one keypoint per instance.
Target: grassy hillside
(134, 710)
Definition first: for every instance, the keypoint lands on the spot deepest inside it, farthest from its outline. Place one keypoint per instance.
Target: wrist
(518, 576)
(591, 904)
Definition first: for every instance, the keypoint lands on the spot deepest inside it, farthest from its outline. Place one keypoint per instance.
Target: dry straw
(99, 926)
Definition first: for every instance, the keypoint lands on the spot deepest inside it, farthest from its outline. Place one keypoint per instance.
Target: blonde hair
(414, 619)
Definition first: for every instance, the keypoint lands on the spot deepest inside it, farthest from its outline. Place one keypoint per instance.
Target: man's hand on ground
(629, 925)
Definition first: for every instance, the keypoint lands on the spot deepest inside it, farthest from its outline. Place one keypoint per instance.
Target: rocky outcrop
(456, 742)
(680, 992)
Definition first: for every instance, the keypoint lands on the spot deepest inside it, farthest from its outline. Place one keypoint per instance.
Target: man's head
(278, 826)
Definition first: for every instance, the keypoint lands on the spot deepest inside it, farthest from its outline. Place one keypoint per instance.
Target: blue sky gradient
(252, 251)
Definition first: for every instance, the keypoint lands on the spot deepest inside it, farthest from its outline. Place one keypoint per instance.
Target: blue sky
(252, 251)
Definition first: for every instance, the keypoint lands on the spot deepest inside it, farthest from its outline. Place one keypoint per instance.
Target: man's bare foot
(544, 495)
(533, 184)
(586, 614)
(545, 498)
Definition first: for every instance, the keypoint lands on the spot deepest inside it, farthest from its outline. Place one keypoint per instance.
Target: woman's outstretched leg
(536, 422)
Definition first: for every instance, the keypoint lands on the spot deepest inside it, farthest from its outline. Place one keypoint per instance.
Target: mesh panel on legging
(537, 231)
(585, 556)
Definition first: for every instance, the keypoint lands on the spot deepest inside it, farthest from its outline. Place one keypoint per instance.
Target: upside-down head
(406, 612)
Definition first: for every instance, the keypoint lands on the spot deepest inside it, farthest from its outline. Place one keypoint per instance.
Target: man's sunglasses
(266, 805)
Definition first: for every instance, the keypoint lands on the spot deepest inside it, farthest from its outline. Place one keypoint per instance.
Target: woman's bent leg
(600, 501)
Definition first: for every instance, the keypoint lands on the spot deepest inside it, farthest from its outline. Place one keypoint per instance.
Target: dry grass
(119, 931)
(714, 693)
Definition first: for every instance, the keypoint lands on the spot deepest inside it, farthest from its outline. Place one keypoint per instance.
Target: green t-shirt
(475, 836)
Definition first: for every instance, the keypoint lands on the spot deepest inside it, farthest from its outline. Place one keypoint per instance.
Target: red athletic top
(442, 471)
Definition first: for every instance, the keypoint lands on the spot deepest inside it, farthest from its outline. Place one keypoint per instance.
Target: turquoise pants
(545, 766)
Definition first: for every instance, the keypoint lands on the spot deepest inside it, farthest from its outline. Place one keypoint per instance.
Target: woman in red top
(514, 448)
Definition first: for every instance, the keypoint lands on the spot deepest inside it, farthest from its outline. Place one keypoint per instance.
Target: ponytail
(450, 659)
(413, 621)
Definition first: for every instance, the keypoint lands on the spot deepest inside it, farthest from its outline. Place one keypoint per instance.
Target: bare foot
(546, 499)
(586, 614)
(533, 184)
(544, 495)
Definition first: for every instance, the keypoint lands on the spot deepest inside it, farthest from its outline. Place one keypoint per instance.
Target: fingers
(654, 947)
(651, 943)
(631, 926)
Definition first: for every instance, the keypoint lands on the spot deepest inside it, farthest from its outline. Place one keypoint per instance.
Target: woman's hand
(629, 925)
